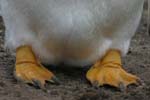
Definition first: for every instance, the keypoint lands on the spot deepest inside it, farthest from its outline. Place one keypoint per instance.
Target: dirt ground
(74, 85)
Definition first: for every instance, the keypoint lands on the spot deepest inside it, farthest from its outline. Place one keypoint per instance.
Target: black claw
(122, 87)
(54, 80)
(140, 82)
(95, 84)
(38, 84)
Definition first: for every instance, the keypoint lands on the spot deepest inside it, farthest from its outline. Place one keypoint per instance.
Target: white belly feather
(73, 31)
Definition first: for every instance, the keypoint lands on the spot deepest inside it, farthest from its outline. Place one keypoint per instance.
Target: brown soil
(74, 85)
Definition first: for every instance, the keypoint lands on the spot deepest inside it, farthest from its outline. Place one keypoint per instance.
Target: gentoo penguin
(76, 32)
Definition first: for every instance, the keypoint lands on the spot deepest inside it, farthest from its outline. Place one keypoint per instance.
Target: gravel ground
(74, 85)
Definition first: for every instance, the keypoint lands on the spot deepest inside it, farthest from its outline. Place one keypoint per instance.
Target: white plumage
(76, 32)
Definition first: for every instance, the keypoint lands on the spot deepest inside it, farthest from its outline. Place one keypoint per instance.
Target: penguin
(75, 32)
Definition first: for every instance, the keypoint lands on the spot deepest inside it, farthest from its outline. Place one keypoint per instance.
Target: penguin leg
(29, 70)
(109, 71)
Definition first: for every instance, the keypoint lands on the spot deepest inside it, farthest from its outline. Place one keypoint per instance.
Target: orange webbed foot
(33, 74)
(109, 71)
(111, 74)
(29, 70)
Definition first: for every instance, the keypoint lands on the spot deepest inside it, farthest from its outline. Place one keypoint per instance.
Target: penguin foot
(111, 74)
(29, 70)
(109, 71)
(34, 74)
